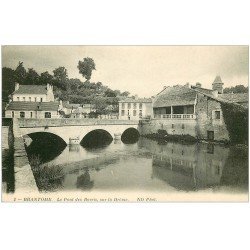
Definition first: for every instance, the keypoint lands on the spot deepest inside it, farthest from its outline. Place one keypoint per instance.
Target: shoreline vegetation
(163, 137)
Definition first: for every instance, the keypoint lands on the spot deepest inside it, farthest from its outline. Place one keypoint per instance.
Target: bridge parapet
(28, 123)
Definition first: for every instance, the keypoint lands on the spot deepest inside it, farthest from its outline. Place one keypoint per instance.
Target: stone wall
(206, 120)
(72, 122)
(24, 178)
(172, 126)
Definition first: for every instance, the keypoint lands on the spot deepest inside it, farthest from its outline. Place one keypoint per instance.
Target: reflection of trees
(84, 181)
(48, 178)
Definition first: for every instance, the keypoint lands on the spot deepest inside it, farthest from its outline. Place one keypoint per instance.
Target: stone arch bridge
(75, 128)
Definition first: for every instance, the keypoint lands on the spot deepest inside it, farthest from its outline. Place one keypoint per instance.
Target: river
(144, 165)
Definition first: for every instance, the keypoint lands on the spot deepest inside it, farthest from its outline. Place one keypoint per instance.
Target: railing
(176, 116)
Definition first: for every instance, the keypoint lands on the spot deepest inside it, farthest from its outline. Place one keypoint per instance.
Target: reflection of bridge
(75, 128)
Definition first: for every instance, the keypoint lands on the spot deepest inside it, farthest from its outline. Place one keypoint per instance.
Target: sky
(141, 70)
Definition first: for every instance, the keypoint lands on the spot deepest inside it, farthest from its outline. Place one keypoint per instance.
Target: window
(129, 105)
(30, 99)
(35, 99)
(140, 113)
(140, 105)
(217, 115)
(172, 125)
(22, 114)
(134, 112)
(13, 114)
(123, 112)
(210, 148)
(183, 126)
(128, 112)
(47, 115)
(135, 105)
(31, 114)
(24, 99)
(41, 99)
(18, 99)
(123, 105)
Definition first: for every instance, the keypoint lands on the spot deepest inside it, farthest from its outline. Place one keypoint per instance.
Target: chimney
(215, 93)
(198, 85)
(16, 86)
(136, 97)
(218, 85)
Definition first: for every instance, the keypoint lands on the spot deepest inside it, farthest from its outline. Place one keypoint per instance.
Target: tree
(60, 77)
(32, 77)
(236, 89)
(8, 83)
(86, 67)
(110, 93)
(20, 73)
(45, 78)
(125, 93)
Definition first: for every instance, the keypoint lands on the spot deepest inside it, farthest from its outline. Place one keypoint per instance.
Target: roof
(142, 100)
(76, 105)
(217, 80)
(203, 90)
(235, 97)
(33, 106)
(175, 96)
(31, 89)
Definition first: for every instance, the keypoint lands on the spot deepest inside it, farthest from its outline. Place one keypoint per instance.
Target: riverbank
(162, 135)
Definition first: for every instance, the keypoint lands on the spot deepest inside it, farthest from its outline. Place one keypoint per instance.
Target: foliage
(66, 89)
(236, 89)
(236, 119)
(32, 77)
(48, 178)
(86, 67)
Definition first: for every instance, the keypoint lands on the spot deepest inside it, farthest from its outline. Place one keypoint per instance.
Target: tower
(218, 85)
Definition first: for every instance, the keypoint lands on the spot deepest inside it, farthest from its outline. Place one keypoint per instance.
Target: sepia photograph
(124, 123)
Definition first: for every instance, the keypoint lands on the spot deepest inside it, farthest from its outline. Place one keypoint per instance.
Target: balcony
(176, 116)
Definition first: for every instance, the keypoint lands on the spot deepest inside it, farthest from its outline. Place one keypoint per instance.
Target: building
(193, 110)
(75, 110)
(135, 109)
(32, 93)
(32, 101)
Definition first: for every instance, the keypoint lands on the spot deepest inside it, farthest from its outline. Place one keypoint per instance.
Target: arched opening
(130, 136)
(98, 138)
(44, 147)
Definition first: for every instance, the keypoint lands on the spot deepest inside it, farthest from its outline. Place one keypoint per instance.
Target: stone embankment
(24, 178)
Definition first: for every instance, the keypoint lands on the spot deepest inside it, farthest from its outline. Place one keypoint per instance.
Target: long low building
(32, 110)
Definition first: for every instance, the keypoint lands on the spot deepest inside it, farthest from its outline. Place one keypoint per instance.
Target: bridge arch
(48, 135)
(96, 138)
(130, 135)
(45, 145)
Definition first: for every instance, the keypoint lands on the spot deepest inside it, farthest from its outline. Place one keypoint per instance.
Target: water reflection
(84, 182)
(149, 165)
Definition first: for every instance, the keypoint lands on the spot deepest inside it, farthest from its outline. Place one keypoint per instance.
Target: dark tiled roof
(33, 106)
(205, 91)
(31, 89)
(175, 96)
(142, 100)
(237, 97)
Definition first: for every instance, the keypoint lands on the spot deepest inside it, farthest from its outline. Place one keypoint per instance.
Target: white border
(125, 226)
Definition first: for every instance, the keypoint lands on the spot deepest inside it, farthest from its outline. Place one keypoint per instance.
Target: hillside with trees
(67, 89)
